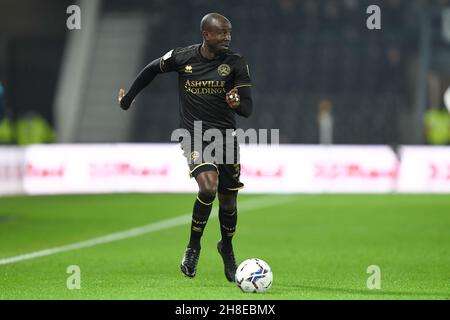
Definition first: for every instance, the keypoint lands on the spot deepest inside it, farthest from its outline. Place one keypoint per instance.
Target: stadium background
(302, 54)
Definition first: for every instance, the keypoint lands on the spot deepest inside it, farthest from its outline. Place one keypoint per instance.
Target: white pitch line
(248, 205)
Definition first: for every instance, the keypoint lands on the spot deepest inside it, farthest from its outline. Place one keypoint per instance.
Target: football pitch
(129, 246)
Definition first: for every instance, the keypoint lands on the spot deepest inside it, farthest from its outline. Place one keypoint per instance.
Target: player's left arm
(240, 97)
(240, 100)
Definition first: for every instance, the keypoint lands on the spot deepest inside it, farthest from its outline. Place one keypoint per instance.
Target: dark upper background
(299, 52)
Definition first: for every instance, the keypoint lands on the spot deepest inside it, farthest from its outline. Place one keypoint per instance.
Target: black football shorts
(222, 158)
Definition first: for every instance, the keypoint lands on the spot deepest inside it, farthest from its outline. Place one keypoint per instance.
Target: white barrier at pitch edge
(319, 169)
(104, 168)
(12, 160)
(424, 170)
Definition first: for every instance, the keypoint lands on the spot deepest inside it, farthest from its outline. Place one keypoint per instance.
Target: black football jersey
(203, 84)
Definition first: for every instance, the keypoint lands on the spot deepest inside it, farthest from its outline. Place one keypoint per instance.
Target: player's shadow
(374, 292)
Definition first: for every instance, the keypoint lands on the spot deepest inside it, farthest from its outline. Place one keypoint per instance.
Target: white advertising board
(11, 170)
(104, 168)
(424, 170)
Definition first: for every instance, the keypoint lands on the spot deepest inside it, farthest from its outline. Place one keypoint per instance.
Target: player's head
(216, 32)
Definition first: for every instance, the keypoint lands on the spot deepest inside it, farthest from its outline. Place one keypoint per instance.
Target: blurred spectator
(437, 126)
(447, 99)
(434, 88)
(325, 122)
(6, 126)
(2, 101)
(33, 128)
(6, 131)
(393, 56)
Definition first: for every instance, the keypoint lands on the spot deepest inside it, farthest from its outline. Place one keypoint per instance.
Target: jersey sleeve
(242, 74)
(168, 62)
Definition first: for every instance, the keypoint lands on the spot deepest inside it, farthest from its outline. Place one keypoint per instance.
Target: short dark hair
(208, 18)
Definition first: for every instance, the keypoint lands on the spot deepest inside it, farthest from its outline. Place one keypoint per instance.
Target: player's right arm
(161, 65)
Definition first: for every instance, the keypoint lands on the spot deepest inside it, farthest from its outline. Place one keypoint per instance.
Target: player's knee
(209, 189)
(206, 196)
(227, 203)
(207, 184)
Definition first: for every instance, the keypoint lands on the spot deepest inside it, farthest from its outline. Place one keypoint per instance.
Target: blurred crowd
(437, 126)
(29, 128)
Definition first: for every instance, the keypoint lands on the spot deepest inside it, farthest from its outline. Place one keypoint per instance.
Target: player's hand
(233, 99)
(121, 94)
(123, 101)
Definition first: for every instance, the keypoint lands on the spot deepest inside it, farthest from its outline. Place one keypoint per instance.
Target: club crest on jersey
(224, 70)
(188, 69)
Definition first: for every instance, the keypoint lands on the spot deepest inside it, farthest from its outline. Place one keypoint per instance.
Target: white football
(254, 275)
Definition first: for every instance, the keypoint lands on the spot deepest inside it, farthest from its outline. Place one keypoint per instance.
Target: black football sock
(228, 222)
(202, 209)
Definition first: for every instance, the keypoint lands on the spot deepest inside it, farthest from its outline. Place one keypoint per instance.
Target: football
(254, 275)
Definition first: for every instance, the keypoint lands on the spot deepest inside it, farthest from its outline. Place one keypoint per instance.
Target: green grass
(319, 247)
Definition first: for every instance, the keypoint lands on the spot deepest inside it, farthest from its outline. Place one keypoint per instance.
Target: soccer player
(214, 85)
